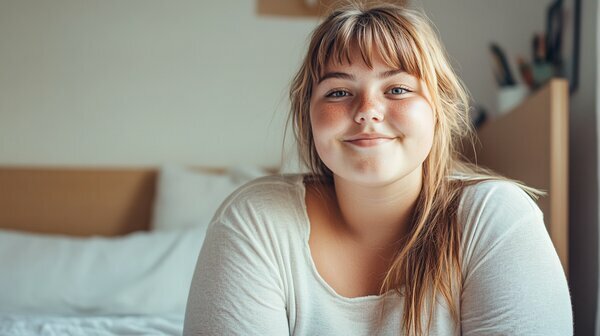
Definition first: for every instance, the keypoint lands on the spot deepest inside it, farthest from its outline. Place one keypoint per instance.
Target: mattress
(21, 325)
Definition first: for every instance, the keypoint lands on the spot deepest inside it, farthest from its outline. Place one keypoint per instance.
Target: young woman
(391, 233)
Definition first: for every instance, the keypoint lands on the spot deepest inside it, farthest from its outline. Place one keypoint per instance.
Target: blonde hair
(428, 263)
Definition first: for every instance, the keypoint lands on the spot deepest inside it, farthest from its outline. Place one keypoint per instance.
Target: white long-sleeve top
(255, 274)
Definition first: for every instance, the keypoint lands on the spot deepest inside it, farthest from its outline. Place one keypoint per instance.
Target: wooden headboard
(76, 201)
(80, 201)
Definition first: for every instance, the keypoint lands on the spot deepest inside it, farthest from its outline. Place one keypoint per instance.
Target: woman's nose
(368, 110)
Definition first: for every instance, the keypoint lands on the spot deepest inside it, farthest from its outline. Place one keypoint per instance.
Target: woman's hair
(428, 261)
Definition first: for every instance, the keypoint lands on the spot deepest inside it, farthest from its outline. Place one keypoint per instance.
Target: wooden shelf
(292, 8)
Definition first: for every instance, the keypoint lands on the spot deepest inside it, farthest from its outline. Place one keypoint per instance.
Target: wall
(141, 82)
(593, 247)
(583, 165)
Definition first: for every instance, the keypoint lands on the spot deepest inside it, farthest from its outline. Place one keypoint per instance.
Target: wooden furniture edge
(559, 166)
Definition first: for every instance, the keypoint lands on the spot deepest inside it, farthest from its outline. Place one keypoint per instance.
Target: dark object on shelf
(554, 31)
(526, 72)
(502, 71)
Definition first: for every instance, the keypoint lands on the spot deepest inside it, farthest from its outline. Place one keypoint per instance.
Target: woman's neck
(377, 216)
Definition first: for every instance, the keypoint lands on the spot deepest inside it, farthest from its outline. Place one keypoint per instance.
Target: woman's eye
(398, 91)
(338, 94)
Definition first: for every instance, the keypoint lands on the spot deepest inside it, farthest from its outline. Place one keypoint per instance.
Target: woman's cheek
(412, 114)
(328, 118)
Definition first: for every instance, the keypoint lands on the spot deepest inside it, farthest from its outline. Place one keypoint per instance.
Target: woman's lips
(368, 142)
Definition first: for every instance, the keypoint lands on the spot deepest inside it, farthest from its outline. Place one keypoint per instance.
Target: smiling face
(372, 126)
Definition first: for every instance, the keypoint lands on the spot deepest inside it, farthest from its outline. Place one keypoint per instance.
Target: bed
(108, 251)
(104, 251)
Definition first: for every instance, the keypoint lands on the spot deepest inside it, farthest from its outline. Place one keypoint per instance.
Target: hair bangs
(370, 35)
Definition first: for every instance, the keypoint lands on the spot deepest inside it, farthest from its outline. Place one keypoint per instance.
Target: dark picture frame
(571, 35)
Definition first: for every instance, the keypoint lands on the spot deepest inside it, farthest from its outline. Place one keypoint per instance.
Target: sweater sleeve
(236, 288)
(513, 282)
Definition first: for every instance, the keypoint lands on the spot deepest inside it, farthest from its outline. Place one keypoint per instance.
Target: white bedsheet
(15, 325)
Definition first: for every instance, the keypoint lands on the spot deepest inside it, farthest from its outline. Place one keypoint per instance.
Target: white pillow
(142, 273)
(186, 198)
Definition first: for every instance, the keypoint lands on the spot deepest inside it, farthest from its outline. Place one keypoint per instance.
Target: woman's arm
(236, 289)
(514, 283)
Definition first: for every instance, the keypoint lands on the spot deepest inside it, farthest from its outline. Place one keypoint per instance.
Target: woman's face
(371, 126)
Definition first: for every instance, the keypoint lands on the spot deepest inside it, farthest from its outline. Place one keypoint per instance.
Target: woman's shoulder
(272, 188)
(269, 199)
(508, 261)
(494, 208)
(497, 195)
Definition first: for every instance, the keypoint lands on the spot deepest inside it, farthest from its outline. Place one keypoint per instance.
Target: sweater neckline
(305, 228)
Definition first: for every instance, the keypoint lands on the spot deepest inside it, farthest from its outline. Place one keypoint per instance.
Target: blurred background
(141, 83)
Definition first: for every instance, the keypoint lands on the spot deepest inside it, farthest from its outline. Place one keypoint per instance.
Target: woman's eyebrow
(341, 75)
(390, 73)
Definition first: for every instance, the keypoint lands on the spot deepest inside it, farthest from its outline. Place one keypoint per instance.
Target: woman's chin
(374, 176)
(370, 178)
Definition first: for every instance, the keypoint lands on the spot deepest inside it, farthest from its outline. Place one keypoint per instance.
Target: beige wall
(140, 82)
(143, 82)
